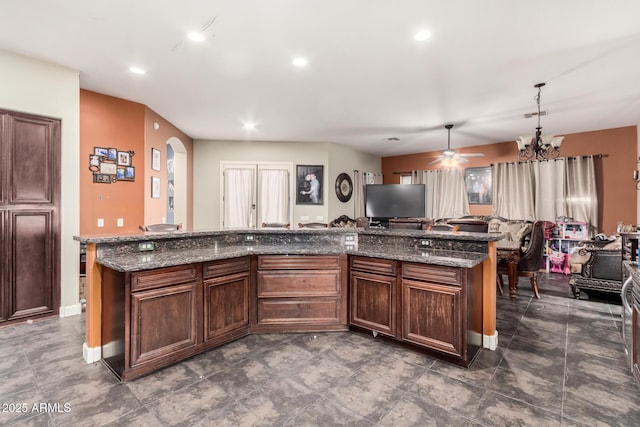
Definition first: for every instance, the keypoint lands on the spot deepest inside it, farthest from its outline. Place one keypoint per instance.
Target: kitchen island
(168, 296)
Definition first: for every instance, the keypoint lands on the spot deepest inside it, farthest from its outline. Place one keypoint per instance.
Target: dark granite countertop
(151, 260)
(145, 236)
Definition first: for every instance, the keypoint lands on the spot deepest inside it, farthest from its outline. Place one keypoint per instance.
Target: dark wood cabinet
(432, 314)
(301, 293)
(442, 309)
(150, 319)
(226, 300)
(29, 216)
(373, 294)
(435, 308)
(153, 318)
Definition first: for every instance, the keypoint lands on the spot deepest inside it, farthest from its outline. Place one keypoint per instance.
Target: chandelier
(539, 147)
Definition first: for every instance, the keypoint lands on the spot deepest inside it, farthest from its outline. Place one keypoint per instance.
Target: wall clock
(344, 187)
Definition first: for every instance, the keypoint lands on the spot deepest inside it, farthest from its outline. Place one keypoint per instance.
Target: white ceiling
(367, 79)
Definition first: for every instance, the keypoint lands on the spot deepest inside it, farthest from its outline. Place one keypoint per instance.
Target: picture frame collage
(110, 165)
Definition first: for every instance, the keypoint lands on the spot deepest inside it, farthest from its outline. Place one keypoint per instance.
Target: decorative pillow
(616, 244)
(518, 230)
(495, 225)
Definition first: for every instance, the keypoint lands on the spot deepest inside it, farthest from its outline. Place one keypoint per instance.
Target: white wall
(334, 158)
(45, 89)
(344, 159)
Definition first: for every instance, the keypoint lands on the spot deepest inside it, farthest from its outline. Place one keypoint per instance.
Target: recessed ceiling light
(137, 70)
(422, 35)
(299, 62)
(196, 37)
(249, 125)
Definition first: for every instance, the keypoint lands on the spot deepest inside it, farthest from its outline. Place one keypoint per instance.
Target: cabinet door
(373, 302)
(32, 273)
(226, 305)
(432, 316)
(163, 322)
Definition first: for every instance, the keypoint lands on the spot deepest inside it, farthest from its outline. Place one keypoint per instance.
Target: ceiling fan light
(448, 153)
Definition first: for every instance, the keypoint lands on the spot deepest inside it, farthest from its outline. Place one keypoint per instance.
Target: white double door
(256, 193)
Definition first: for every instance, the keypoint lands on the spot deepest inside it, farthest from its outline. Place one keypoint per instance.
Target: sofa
(596, 264)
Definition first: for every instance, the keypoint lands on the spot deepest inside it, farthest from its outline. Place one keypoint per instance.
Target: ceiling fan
(449, 157)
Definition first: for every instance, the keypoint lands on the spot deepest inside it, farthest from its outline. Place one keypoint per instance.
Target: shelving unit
(565, 238)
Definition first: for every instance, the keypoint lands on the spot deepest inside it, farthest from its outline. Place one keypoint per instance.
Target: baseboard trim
(490, 341)
(70, 310)
(91, 354)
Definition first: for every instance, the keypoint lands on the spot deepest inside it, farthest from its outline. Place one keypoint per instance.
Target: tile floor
(560, 362)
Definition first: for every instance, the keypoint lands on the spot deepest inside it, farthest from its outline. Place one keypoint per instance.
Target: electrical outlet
(425, 242)
(146, 246)
(120, 222)
(249, 237)
(350, 239)
(100, 222)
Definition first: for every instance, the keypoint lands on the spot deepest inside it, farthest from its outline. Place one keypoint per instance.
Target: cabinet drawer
(225, 267)
(311, 262)
(292, 311)
(298, 283)
(432, 273)
(374, 265)
(164, 277)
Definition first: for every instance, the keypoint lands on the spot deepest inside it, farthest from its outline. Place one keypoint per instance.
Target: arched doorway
(176, 182)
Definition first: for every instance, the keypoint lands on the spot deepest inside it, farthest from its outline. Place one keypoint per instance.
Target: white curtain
(360, 179)
(581, 196)
(549, 179)
(273, 196)
(446, 194)
(545, 190)
(238, 197)
(513, 190)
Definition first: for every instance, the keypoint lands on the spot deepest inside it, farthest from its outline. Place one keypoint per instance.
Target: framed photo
(126, 173)
(124, 158)
(478, 184)
(108, 168)
(120, 173)
(155, 159)
(113, 154)
(101, 151)
(155, 187)
(309, 179)
(102, 178)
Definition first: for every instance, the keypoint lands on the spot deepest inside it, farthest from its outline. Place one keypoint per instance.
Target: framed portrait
(113, 154)
(309, 179)
(478, 184)
(155, 187)
(124, 158)
(155, 159)
(101, 151)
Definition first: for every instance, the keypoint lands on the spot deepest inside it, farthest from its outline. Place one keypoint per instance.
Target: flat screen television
(384, 201)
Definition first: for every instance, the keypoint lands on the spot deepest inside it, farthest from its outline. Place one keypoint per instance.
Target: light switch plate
(120, 222)
(100, 222)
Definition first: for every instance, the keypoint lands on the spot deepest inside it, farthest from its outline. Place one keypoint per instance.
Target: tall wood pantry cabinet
(29, 216)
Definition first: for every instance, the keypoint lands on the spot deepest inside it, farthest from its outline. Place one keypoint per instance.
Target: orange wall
(156, 209)
(617, 194)
(106, 121)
